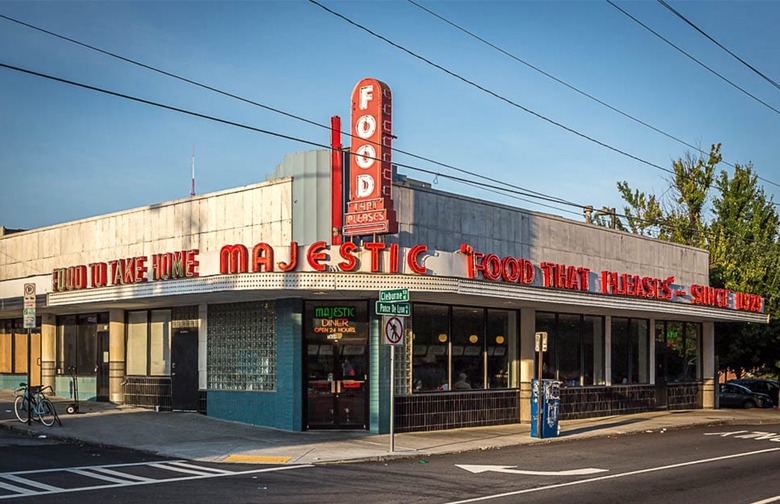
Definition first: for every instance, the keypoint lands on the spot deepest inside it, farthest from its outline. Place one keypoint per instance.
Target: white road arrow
(510, 470)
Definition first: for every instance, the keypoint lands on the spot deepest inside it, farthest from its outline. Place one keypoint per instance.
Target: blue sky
(68, 153)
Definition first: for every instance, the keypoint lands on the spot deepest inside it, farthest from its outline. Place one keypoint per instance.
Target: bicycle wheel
(46, 412)
(20, 408)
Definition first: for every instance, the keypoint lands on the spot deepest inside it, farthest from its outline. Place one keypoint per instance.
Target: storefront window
(630, 351)
(461, 348)
(497, 341)
(6, 347)
(468, 343)
(160, 343)
(593, 350)
(13, 348)
(677, 351)
(430, 351)
(569, 345)
(575, 348)
(546, 322)
(136, 343)
(692, 336)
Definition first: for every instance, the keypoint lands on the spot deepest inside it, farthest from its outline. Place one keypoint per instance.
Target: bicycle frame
(35, 402)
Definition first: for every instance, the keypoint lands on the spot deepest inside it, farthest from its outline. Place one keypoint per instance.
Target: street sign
(393, 330)
(29, 306)
(397, 309)
(394, 295)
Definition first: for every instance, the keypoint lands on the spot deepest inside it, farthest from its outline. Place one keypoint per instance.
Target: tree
(680, 217)
(745, 256)
(741, 236)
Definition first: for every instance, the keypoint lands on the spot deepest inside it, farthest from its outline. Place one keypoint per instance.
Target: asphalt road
(698, 465)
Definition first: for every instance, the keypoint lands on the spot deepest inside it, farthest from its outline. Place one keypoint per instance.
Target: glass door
(336, 367)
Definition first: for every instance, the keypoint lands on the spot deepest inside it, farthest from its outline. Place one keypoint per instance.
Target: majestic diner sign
(376, 257)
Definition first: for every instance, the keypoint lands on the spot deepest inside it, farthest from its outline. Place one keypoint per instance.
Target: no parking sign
(393, 330)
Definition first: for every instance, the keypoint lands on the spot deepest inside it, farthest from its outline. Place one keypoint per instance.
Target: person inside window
(461, 384)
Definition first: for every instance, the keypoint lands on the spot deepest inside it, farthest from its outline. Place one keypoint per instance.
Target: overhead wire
(265, 131)
(473, 183)
(567, 85)
(527, 192)
(264, 106)
(711, 39)
(692, 58)
(751, 67)
(489, 91)
(502, 188)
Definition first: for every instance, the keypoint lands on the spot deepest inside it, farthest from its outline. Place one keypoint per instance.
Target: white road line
(126, 476)
(96, 475)
(151, 482)
(169, 467)
(767, 501)
(14, 488)
(615, 476)
(30, 483)
(58, 469)
(197, 467)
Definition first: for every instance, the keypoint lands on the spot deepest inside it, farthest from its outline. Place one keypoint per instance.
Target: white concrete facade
(278, 212)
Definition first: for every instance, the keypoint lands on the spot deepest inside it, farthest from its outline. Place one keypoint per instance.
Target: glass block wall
(242, 346)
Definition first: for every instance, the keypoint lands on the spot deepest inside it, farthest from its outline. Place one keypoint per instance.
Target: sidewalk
(198, 437)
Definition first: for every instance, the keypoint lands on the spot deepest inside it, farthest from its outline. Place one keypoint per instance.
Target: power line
(660, 224)
(488, 91)
(267, 107)
(502, 188)
(692, 25)
(640, 23)
(273, 133)
(569, 86)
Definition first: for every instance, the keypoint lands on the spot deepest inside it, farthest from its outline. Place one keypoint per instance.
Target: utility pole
(611, 213)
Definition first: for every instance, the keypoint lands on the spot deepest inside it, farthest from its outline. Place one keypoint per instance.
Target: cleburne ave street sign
(394, 295)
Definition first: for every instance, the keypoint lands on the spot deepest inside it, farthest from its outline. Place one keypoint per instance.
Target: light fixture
(443, 338)
(473, 338)
(499, 340)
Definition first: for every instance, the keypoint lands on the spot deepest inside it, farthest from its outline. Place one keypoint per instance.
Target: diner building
(240, 305)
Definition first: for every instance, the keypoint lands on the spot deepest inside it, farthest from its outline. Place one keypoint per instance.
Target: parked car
(733, 395)
(768, 387)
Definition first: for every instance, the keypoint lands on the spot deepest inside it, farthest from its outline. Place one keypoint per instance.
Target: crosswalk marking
(127, 476)
(30, 483)
(112, 476)
(96, 475)
(170, 467)
(199, 468)
(14, 488)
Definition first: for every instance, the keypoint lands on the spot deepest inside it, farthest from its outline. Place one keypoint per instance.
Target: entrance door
(336, 365)
(101, 393)
(184, 369)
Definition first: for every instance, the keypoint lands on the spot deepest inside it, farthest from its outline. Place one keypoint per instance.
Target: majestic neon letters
(389, 258)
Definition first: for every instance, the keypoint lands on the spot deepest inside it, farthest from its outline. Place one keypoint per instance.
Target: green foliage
(741, 236)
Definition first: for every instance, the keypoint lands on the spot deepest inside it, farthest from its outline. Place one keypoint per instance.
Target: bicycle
(41, 409)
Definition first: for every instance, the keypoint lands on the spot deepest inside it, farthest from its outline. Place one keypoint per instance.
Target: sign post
(393, 330)
(29, 323)
(393, 307)
(540, 345)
